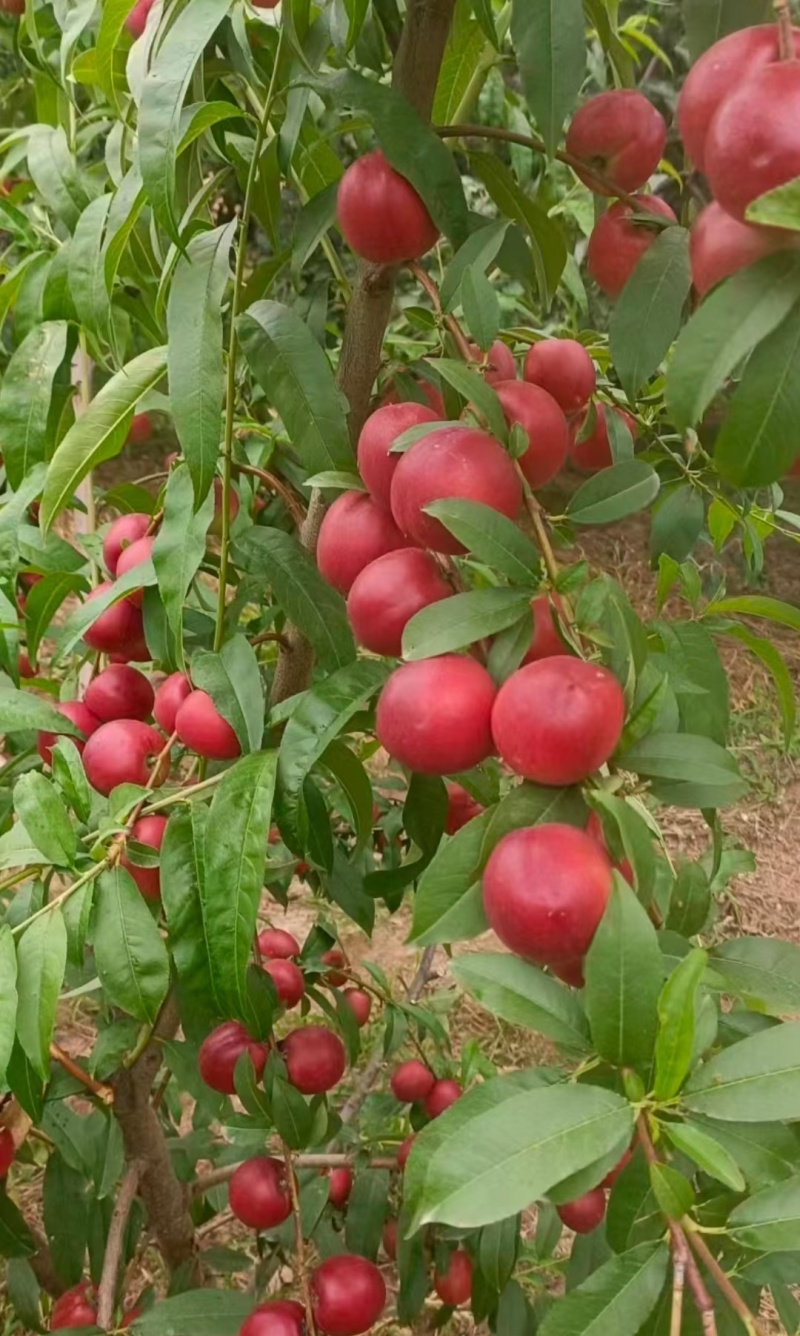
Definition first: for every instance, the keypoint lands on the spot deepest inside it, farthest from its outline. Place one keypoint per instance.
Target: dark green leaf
(233, 680)
(293, 1116)
(8, 997)
(523, 995)
(757, 442)
(491, 537)
(769, 1221)
(544, 233)
(549, 40)
(755, 1079)
(130, 956)
(43, 602)
(623, 971)
(472, 387)
(21, 711)
(497, 1252)
(45, 818)
(477, 252)
(689, 771)
(647, 316)
(763, 970)
(179, 548)
(196, 1313)
(706, 21)
(672, 1191)
(709, 1154)
(457, 622)
(481, 306)
(16, 1239)
(25, 395)
(690, 900)
(41, 959)
(313, 221)
(616, 1299)
(366, 1212)
(182, 872)
(677, 523)
(614, 492)
(698, 679)
(677, 1009)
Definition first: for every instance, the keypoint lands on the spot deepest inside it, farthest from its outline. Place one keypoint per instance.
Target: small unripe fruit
(536, 411)
(315, 1059)
(546, 641)
(288, 980)
(119, 630)
(412, 1081)
(388, 593)
(461, 808)
(124, 531)
(279, 1317)
(500, 364)
(169, 697)
(340, 1185)
(202, 729)
(147, 830)
(360, 1004)
(441, 1096)
(749, 149)
(720, 245)
(334, 977)
(123, 752)
(120, 692)
(563, 368)
(594, 452)
(454, 1286)
(135, 555)
(78, 714)
(621, 135)
(354, 532)
(220, 1051)
(259, 1194)
(585, 1213)
(389, 1239)
(617, 243)
(454, 462)
(277, 944)
(376, 463)
(141, 427)
(558, 720)
(405, 1150)
(348, 1295)
(7, 1151)
(382, 217)
(435, 715)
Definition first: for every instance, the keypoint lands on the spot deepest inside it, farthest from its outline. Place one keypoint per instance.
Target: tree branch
(114, 1244)
(734, 1298)
(299, 1244)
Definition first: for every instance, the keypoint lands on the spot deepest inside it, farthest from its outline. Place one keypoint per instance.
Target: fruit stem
(103, 1092)
(783, 17)
(116, 1237)
(185, 795)
(299, 1243)
(459, 337)
(292, 503)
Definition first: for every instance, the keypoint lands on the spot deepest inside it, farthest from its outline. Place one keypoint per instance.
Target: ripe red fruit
(147, 830)
(375, 462)
(135, 555)
(389, 1238)
(169, 697)
(24, 666)
(220, 1051)
(288, 980)
(74, 1308)
(435, 716)
(360, 1003)
(546, 641)
(500, 363)
(461, 808)
(594, 452)
(453, 462)
(354, 532)
(120, 692)
(585, 1213)
(338, 959)
(412, 1081)
(340, 1185)
(613, 1174)
(123, 752)
(382, 217)
(441, 1096)
(720, 70)
(315, 1059)
(119, 630)
(387, 594)
(620, 134)
(279, 1317)
(454, 1286)
(141, 427)
(545, 890)
(124, 531)
(202, 729)
(259, 1193)
(539, 415)
(750, 150)
(594, 828)
(348, 1295)
(277, 944)
(77, 712)
(7, 1151)
(563, 368)
(720, 245)
(617, 243)
(404, 1150)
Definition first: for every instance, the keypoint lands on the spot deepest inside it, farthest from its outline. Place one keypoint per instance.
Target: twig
(116, 1238)
(680, 1255)
(323, 1160)
(103, 1092)
(783, 17)
(450, 322)
(737, 1303)
(274, 636)
(299, 1244)
(276, 484)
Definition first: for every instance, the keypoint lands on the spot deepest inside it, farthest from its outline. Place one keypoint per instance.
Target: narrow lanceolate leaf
(179, 548)
(491, 537)
(472, 386)
(677, 1007)
(182, 873)
(163, 94)
(550, 41)
(20, 711)
(86, 613)
(477, 252)
(616, 1299)
(235, 857)
(706, 21)
(523, 995)
(41, 959)
(710, 1155)
(648, 314)
(86, 274)
(196, 1313)
(100, 432)
(456, 622)
(758, 439)
(763, 970)
(8, 997)
(687, 770)
(25, 397)
(233, 680)
(776, 666)
(614, 493)
(769, 1221)
(130, 957)
(448, 905)
(112, 22)
(195, 361)
(755, 1080)
(55, 174)
(45, 818)
(623, 972)
(296, 376)
(43, 602)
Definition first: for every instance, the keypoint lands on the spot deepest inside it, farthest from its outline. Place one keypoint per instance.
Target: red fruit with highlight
(621, 135)
(169, 697)
(376, 464)
(454, 1286)
(340, 1185)
(279, 1317)
(132, 556)
(124, 531)
(202, 729)
(123, 752)
(540, 417)
(334, 977)
(220, 1051)
(500, 363)
(388, 593)
(74, 1308)
(259, 1193)
(147, 830)
(25, 668)
(382, 217)
(434, 716)
(348, 1295)
(461, 808)
(594, 452)
(120, 692)
(749, 149)
(618, 243)
(585, 1213)
(354, 532)
(7, 1151)
(78, 714)
(277, 944)
(119, 630)
(315, 1059)
(288, 980)
(412, 1081)
(563, 368)
(441, 1096)
(720, 245)
(360, 1004)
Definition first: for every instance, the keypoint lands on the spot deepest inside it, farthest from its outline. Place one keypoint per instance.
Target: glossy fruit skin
(434, 716)
(74, 1308)
(563, 368)
(594, 453)
(720, 70)
(288, 980)
(141, 428)
(500, 362)
(546, 641)
(123, 752)
(453, 462)
(386, 595)
(334, 977)
(202, 729)
(617, 245)
(340, 1185)
(315, 1059)
(124, 531)
(382, 217)
(348, 1295)
(77, 712)
(147, 830)
(278, 944)
(412, 1081)
(749, 148)
(620, 133)
(375, 462)
(720, 245)
(169, 697)
(354, 532)
(134, 555)
(545, 889)
(119, 692)
(119, 630)
(220, 1051)
(585, 1213)
(135, 23)
(279, 1317)
(454, 1286)
(360, 1004)
(594, 828)
(7, 1151)
(539, 415)
(404, 1150)
(556, 721)
(389, 1238)
(461, 808)
(441, 1096)
(259, 1194)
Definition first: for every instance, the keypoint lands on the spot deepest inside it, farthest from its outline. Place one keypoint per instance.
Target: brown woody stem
(103, 1092)
(299, 1244)
(721, 1280)
(114, 1244)
(449, 321)
(277, 485)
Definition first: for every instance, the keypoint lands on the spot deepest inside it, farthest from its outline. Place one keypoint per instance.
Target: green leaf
(616, 1299)
(689, 771)
(355, 783)
(41, 960)
(43, 602)
(366, 1212)
(294, 373)
(317, 609)
(233, 680)
(112, 22)
(16, 1239)
(770, 1220)
(732, 320)
(25, 395)
(194, 359)
(182, 873)
(765, 1152)
(481, 306)
(130, 957)
(8, 997)
(698, 679)
(712, 1157)
(756, 1079)
(497, 1254)
(196, 1313)
(757, 605)
(523, 995)
(706, 21)
(86, 269)
(45, 818)
(647, 316)
(462, 62)
(477, 253)
(614, 492)
(21, 711)
(776, 208)
(69, 777)
(763, 970)
(757, 442)
(545, 235)
(472, 387)
(293, 1117)
(623, 971)
(491, 537)
(235, 859)
(100, 433)
(677, 523)
(55, 173)
(550, 42)
(178, 550)
(87, 613)
(776, 666)
(672, 1191)
(316, 218)
(677, 1011)
(456, 622)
